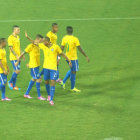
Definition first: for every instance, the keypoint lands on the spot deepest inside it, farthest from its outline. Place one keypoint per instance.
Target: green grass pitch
(108, 108)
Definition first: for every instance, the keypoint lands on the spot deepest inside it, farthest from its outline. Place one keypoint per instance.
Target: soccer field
(108, 108)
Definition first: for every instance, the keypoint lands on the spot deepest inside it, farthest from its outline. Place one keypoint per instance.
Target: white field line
(74, 19)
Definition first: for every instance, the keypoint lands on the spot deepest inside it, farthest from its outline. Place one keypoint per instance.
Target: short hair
(2, 40)
(69, 29)
(47, 38)
(15, 26)
(39, 36)
(54, 24)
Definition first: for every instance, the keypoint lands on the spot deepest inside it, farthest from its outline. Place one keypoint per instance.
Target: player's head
(69, 30)
(46, 41)
(3, 42)
(55, 27)
(39, 38)
(16, 29)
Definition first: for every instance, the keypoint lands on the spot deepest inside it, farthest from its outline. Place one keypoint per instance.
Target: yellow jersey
(50, 56)
(14, 42)
(71, 43)
(52, 36)
(34, 53)
(3, 59)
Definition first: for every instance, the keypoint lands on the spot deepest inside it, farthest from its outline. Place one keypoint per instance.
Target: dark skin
(81, 51)
(48, 44)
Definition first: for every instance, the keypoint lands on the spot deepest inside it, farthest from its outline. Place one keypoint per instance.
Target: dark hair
(47, 38)
(69, 29)
(39, 36)
(2, 40)
(54, 24)
(15, 26)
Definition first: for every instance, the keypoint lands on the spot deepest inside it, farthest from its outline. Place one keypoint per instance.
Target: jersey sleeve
(28, 48)
(59, 51)
(77, 42)
(63, 42)
(41, 46)
(10, 41)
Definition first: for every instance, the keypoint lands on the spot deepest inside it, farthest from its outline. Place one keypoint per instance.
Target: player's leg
(47, 84)
(58, 80)
(12, 81)
(3, 80)
(52, 91)
(15, 79)
(14, 75)
(67, 76)
(53, 76)
(74, 69)
(36, 76)
(31, 83)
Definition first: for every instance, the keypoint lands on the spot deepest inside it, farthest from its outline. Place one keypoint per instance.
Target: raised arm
(82, 52)
(29, 38)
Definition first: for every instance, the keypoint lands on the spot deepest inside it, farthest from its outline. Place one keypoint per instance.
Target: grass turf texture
(108, 105)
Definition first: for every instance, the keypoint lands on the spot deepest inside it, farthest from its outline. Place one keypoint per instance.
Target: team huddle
(52, 54)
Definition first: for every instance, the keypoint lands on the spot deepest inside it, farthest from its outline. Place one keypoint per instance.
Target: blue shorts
(50, 74)
(35, 73)
(3, 78)
(15, 67)
(75, 65)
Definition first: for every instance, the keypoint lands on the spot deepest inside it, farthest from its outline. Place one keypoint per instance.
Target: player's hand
(26, 35)
(5, 72)
(16, 63)
(87, 59)
(27, 65)
(70, 64)
(17, 57)
(58, 61)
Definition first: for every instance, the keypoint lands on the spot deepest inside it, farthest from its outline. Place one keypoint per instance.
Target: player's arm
(62, 48)
(29, 38)
(20, 57)
(82, 52)
(8, 70)
(63, 55)
(12, 50)
(2, 67)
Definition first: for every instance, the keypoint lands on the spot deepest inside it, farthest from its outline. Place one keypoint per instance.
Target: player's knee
(17, 71)
(38, 80)
(73, 72)
(34, 80)
(52, 82)
(46, 82)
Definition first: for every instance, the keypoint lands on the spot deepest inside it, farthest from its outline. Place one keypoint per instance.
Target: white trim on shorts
(76, 65)
(34, 73)
(15, 66)
(1, 79)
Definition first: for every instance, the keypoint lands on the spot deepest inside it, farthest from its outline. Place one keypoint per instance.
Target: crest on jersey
(52, 50)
